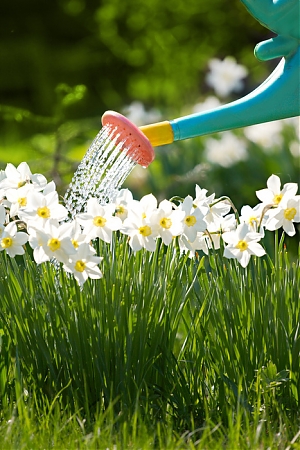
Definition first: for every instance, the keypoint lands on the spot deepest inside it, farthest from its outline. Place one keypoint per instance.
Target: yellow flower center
(22, 201)
(120, 210)
(80, 266)
(242, 245)
(21, 184)
(75, 243)
(190, 221)
(277, 199)
(43, 212)
(145, 230)
(289, 213)
(165, 222)
(53, 244)
(6, 242)
(99, 221)
(252, 220)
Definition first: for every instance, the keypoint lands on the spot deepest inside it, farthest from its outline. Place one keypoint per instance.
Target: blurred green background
(63, 63)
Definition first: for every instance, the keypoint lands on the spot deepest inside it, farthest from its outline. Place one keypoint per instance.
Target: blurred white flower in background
(295, 149)
(267, 135)
(226, 151)
(294, 146)
(225, 76)
(138, 115)
(210, 102)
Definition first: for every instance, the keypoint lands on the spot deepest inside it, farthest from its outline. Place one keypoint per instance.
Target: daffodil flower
(122, 202)
(50, 242)
(17, 198)
(193, 220)
(201, 243)
(252, 216)
(99, 221)
(225, 76)
(285, 216)
(83, 264)
(73, 231)
(273, 194)
(169, 222)
(16, 177)
(41, 206)
(217, 227)
(217, 210)
(142, 232)
(242, 243)
(226, 150)
(201, 198)
(12, 240)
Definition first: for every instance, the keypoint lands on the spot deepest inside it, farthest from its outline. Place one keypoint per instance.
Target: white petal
(256, 249)
(135, 243)
(274, 184)
(289, 228)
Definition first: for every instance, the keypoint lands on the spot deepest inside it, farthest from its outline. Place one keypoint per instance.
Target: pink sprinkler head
(134, 142)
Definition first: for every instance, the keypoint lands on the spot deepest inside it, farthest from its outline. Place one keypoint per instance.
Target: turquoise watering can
(276, 98)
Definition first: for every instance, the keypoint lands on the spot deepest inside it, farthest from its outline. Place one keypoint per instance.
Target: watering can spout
(276, 98)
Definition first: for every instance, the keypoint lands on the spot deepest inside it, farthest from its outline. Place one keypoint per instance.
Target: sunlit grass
(162, 352)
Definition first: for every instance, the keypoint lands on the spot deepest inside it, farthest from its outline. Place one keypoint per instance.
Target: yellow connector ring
(160, 133)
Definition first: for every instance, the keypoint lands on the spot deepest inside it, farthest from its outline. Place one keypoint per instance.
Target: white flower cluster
(30, 211)
(225, 76)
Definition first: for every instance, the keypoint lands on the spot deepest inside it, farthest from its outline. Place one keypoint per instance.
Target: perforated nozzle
(134, 142)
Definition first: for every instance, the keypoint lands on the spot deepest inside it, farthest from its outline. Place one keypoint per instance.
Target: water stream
(101, 172)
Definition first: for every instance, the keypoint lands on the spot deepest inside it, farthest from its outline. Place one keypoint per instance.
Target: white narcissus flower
(242, 243)
(226, 151)
(217, 227)
(122, 201)
(266, 135)
(225, 76)
(42, 206)
(12, 241)
(193, 220)
(17, 198)
(167, 221)
(141, 231)
(73, 231)
(216, 213)
(252, 216)
(50, 241)
(201, 198)
(285, 215)
(98, 221)
(83, 264)
(273, 194)
(201, 242)
(145, 207)
(17, 177)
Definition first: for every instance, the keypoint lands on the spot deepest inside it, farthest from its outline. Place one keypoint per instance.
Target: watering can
(278, 97)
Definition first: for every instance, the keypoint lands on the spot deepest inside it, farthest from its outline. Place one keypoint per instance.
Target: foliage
(208, 349)
(151, 51)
